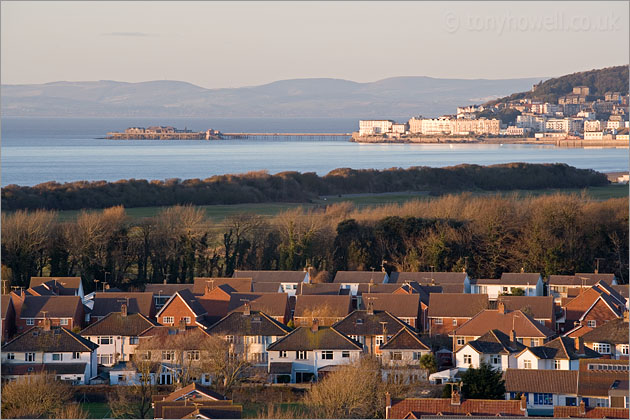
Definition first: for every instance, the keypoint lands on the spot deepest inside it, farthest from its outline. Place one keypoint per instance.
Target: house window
(63, 321)
(495, 359)
(10, 356)
(229, 338)
(105, 359)
(461, 341)
(30, 321)
(355, 338)
(395, 355)
(437, 321)
(625, 349)
(29, 357)
(301, 355)
(543, 398)
(168, 320)
(192, 355)
(454, 322)
(535, 342)
(602, 348)
(133, 340)
(527, 364)
(186, 319)
(76, 355)
(359, 321)
(591, 323)
(467, 359)
(105, 340)
(57, 357)
(556, 364)
(345, 354)
(379, 340)
(168, 355)
(417, 355)
(327, 355)
(283, 354)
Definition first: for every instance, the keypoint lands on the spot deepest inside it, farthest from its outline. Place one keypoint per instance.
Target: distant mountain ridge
(322, 97)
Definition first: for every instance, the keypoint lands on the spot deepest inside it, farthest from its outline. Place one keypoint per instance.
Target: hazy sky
(220, 44)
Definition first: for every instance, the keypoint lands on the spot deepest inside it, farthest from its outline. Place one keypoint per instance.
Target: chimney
(513, 334)
(522, 269)
(501, 307)
(579, 345)
(47, 324)
(625, 316)
(164, 280)
(123, 310)
(182, 325)
(456, 398)
(370, 307)
(315, 326)
(523, 402)
(248, 309)
(582, 409)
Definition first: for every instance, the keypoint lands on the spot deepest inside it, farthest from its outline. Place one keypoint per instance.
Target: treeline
(600, 81)
(556, 234)
(257, 187)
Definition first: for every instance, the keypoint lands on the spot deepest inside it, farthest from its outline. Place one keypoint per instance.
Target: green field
(97, 410)
(217, 213)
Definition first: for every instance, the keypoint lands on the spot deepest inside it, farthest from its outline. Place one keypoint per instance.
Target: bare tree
(35, 396)
(134, 400)
(225, 365)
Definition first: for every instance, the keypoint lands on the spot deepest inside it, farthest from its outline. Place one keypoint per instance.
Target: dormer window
(359, 321)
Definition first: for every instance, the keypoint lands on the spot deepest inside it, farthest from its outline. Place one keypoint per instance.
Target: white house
(543, 389)
(493, 348)
(530, 283)
(562, 353)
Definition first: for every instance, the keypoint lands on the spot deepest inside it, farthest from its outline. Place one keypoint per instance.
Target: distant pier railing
(284, 135)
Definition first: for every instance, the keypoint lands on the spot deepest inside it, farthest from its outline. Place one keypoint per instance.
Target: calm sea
(36, 150)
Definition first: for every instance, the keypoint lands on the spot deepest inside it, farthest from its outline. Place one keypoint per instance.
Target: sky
(234, 44)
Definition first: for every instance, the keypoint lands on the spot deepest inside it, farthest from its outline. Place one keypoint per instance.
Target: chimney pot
(248, 309)
(625, 316)
(182, 324)
(513, 333)
(47, 324)
(315, 326)
(123, 310)
(501, 308)
(456, 398)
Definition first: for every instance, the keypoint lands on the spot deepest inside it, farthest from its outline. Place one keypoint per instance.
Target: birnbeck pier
(171, 133)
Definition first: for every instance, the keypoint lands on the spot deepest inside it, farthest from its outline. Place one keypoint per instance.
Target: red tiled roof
(591, 412)
(523, 324)
(456, 305)
(433, 406)
(529, 380)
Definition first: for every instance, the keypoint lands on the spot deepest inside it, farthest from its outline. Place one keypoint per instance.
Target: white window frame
(282, 354)
(468, 359)
(556, 364)
(602, 348)
(301, 355)
(625, 349)
(437, 321)
(193, 355)
(64, 321)
(328, 355)
(30, 321)
(10, 356)
(105, 359)
(168, 320)
(591, 323)
(59, 355)
(30, 356)
(461, 341)
(133, 340)
(168, 355)
(454, 322)
(105, 339)
(76, 355)
(527, 364)
(495, 359)
(186, 320)
(345, 354)
(379, 340)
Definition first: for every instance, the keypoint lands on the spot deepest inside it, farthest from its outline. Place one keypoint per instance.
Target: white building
(535, 123)
(493, 348)
(594, 125)
(562, 353)
(372, 127)
(563, 125)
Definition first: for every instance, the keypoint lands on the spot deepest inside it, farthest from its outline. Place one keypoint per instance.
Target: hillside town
(560, 343)
(577, 115)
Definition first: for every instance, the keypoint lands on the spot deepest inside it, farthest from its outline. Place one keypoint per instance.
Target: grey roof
(58, 368)
(520, 279)
(168, 289)
(359, 277)
(562, 348)
(495, 342)
(377, 288)
(5, 304)
(54, 306)
(541, 307)
(272, 276)
(108, 302)
(406, 339)
(427, 277)
(318, 289)
(115, 323)
(456, 305)
(280, 367)
(399, 305)
(65, 282)
(323, 338)
(57, 339)
(622, 289)
(254, 324)
(613, 332)
(359, 322)
(579, 279)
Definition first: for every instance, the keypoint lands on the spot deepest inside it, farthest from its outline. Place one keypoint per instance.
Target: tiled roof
(598, 383)
(613, 332)
(552, 381)
(280, 367)
(323, 338)
(495, 342)
(273, 304)
(622, 289)
(267, 287)
(359, 322)
(163, 337)
(189, 299)
(166, 289)
(256, 323)
(5, 304)
(326, 305)
(523, 324)
(58, 368)
(520, 279)
(359, 277)
(318, 289)
(456, 305)
(115, 323)
(108, 302)
(57, 339)
(272, 276)
(561, 348)
(541, 306)
(579, 279)
(377, 288)
(238, 284)
(203, 392)
(64, 282)
(399, 305)
(406, 339)
(223, 409)
(444, 407)
(591, 412)
(427, 277)
(54, 306)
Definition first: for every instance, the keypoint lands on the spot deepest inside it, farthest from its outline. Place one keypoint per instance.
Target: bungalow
(288, 280)
(182, 307)
(449, 310)
(370, 328)
(117, 335)
(327, 309)
(451, 282)
(52, 349)
(494, 348)
(405, 307)
(250, 333)
(530, 284)
(610, 339)
(65, 311)
(562, 353)
(302, 354)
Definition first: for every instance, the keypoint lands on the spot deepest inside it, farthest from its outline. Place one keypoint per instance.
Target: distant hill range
(609, 79)
(387, 98)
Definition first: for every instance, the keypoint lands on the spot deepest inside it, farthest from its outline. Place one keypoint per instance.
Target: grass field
(97, 410)
(217, 213)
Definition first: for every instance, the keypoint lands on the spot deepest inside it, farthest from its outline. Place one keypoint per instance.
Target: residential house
(216, 302)
(594, 306)
(162, 292)
(531, 284)
(289, 280)
(541, 308)
(370, 328)
(351, 279)
(619, 395)
(8, 318)
(319, 289)
(51, 349)
(405, 307)
(250, 333)
(597, 377)
(65, 311)
(526, 330)
(203, 285)
(182, 307)
(542, 389)
(307, 352)
(562, 286)
(562, 353)
(610, 339)
(195, 402)
(494, 348)
(101, 304)
(401, 356)
(451, 282)
(624, 291)
(581, 411)
(60, 286)
(276, 305)
(454, 407)
(117, 335)
(447, 311)
(327, 309)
